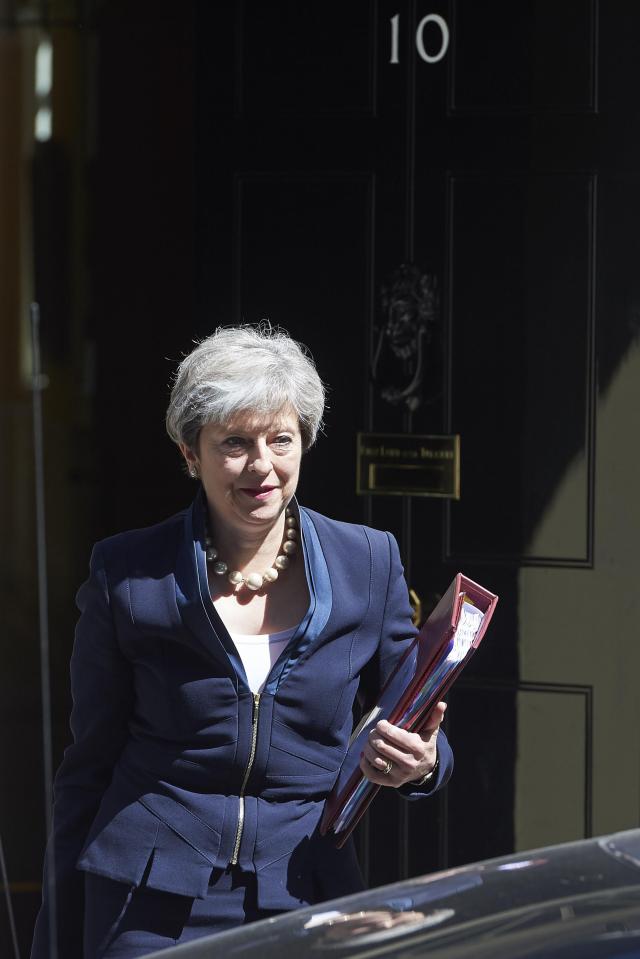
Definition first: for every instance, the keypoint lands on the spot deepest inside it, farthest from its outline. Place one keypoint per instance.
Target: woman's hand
(393, 756)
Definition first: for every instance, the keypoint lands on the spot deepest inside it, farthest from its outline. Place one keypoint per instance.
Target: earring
(193, 471)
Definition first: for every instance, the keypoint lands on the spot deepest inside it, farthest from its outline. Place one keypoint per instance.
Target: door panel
(328, 47)
(521, 316)
(547, 50)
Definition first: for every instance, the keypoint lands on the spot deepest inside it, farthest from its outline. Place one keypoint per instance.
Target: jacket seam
(188, 811)
(288, 752)
(366, 613)
(101, 565)
(181, 835)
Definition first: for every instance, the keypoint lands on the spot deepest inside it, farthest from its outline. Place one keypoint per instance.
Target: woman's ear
(191, 460)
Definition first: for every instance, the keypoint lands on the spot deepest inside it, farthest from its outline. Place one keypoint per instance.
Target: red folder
(437, 656)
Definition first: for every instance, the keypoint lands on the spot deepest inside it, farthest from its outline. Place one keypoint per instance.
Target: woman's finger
(399, 738)
(379, 753)
(378, 775)
(434, 719)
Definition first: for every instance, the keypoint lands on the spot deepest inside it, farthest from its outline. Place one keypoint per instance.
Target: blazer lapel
(309, 631)
(192, 592)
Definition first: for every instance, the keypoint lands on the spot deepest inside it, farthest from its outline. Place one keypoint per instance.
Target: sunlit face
(249, 467)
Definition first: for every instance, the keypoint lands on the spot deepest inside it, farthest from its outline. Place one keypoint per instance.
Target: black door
(490, 145)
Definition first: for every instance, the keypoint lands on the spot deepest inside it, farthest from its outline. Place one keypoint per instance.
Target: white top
(259, 653)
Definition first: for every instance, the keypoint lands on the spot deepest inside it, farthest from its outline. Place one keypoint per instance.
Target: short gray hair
(244, 368)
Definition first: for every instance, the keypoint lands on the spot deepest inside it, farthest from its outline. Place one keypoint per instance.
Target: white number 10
(440, 22)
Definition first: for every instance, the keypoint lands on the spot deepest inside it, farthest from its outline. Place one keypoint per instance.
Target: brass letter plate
(404, 464)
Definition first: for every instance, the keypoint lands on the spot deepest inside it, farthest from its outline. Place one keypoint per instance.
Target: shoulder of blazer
(337, 535)
(150, 543)
(320, 521)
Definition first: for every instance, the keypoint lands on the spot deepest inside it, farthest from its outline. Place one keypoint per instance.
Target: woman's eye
(282, 440)
(233, 442)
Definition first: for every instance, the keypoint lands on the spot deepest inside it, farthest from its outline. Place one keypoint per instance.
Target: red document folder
(437, 656)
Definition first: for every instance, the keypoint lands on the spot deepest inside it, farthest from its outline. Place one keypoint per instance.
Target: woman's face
(249, 467)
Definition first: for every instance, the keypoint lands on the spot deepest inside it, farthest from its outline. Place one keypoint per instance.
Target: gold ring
(387, 769)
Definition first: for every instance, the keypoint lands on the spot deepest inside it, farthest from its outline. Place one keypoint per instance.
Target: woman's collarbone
(260, 616)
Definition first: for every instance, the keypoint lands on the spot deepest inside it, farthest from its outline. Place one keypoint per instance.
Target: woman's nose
(261, 462)
(260, 466)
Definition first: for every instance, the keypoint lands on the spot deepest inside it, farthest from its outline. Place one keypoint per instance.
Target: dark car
(579, 900)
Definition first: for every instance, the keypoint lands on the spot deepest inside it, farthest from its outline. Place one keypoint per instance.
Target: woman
(217, 659)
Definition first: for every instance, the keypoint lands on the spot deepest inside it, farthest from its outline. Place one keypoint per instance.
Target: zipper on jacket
(247, 773)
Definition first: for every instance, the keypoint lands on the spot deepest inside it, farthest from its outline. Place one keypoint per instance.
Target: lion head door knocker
(410, 308)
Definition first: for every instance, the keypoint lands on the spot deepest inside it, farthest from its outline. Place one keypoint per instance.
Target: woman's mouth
(258, 492)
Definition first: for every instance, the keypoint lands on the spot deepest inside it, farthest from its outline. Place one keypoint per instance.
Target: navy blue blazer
(176, 767)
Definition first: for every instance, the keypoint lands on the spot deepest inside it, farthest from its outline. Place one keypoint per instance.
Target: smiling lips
(258, 492)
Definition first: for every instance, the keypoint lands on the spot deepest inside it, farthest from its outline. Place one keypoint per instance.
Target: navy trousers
(125, 923)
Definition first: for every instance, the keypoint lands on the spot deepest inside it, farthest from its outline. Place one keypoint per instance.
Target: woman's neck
(242, 547)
